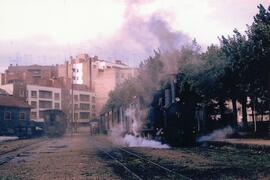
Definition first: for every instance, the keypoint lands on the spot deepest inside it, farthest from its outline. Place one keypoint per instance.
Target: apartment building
(34, 74)
(78, 69)
(99, 75)
(41, 98)
(84, 106)
(91, 73)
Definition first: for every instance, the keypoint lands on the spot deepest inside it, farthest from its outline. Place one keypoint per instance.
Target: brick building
(99, 75)
(34, 74)
(89, 77)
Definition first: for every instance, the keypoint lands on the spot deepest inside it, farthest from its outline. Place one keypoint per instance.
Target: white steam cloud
(217, 135)
(133, 139)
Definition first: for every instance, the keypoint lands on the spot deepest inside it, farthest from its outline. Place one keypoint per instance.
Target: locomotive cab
(55, 123)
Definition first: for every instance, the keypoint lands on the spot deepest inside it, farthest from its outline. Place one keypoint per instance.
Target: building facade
(41, 98)
(45, 87)
(99, 75)
(84, 106)
(13, 113)
(34, 74)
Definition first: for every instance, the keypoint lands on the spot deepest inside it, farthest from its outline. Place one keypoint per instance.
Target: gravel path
(79, 157)
(61, 158)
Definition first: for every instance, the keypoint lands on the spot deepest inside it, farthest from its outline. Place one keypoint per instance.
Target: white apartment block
(84, 106)
(41, 98)
(77, 71)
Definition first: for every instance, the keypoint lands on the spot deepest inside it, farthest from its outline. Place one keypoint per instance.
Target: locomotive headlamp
(177, 99)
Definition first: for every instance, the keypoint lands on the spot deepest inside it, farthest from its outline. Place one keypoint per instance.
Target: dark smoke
(134, 41)
(139, 36)
(168, 39)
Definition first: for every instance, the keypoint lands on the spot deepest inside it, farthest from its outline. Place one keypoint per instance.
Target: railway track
(7, 156)
(139, 167)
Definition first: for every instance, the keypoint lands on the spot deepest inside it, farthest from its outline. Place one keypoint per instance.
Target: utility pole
(72, 100)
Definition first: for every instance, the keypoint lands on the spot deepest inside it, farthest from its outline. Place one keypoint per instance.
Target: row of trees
(237, 69)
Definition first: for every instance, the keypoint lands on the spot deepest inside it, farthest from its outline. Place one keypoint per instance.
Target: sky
(50, 31)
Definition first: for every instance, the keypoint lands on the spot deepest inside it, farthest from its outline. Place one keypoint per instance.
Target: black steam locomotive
(55, 123)
(173, 117)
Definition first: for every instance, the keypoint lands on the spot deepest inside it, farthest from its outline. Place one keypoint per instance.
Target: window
(56, 96)
(45, 94)
(21, 93)
(45, 104)
(93, 107)
(7, 115)
(22, 116)
(33, 115)
(36, 72)
(34, 104)
(76, 116)
(56, 105)
(34, 94)
(84, 97)
(76, 106)
(76, 97)
(84, 115)
(84, 106)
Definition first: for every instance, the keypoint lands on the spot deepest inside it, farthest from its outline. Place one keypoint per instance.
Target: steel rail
(9, 155)
(121, 164)
(17, 148)
(155, 164)
(146, 160)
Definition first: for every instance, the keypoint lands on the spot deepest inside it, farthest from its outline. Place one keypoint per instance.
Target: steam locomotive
(173, 116)
(55, 122)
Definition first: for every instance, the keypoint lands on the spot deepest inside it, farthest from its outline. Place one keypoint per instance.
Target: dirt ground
(63, 158)
(12, 145)
(77, 157)
(213, 162)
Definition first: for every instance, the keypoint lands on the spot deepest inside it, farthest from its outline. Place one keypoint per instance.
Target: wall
(53, 100)
(14, 113)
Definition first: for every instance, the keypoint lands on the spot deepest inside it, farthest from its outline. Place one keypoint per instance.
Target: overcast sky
(49, 31)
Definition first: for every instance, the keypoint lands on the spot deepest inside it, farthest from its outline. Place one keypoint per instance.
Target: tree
(259, 39)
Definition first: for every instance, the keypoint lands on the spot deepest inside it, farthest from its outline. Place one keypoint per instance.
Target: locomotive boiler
(172, 115)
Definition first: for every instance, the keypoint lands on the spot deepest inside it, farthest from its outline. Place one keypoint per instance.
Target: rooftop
(11, 101)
